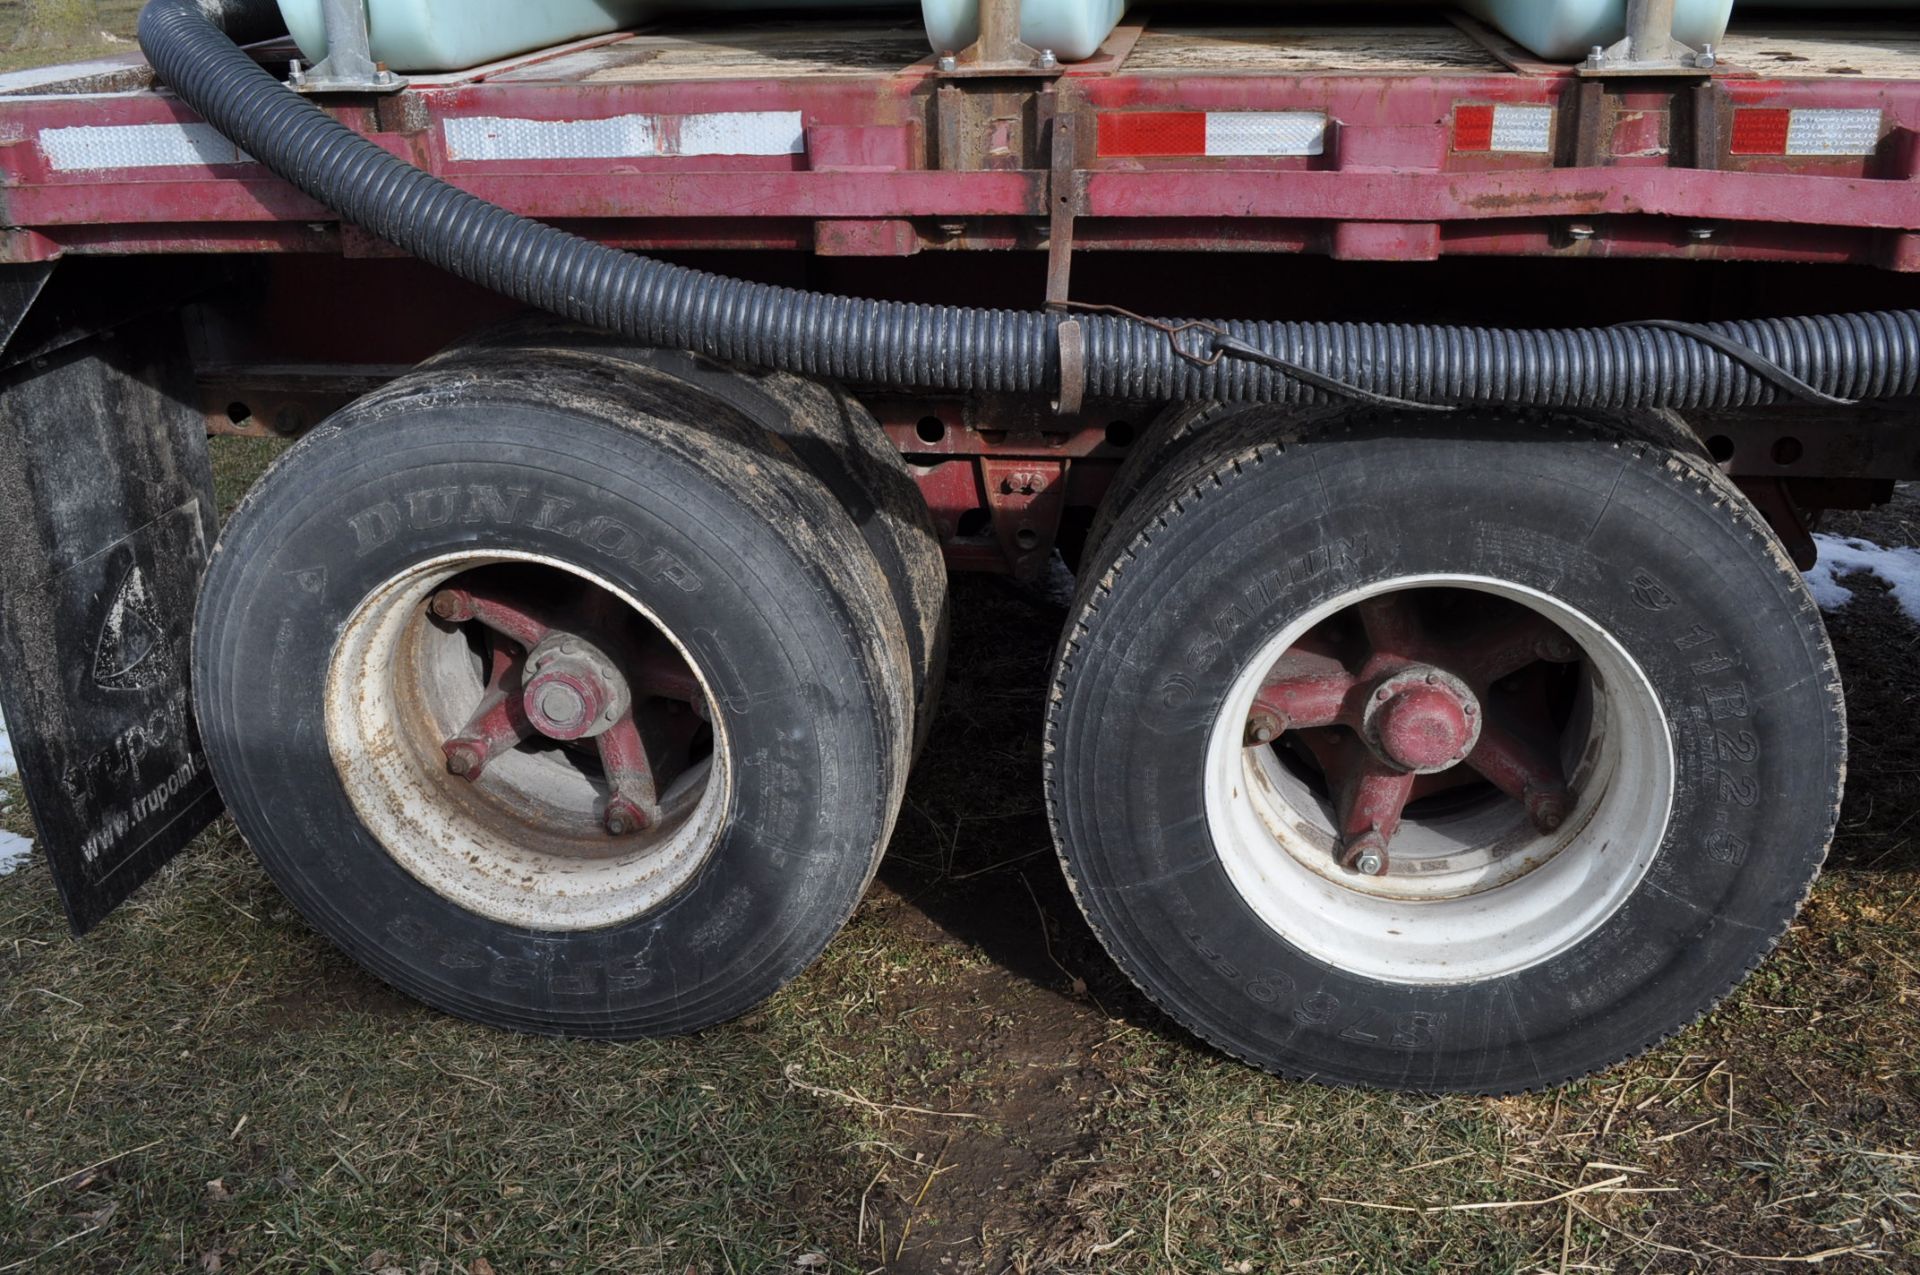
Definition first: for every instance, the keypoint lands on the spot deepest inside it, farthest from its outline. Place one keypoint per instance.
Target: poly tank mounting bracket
(1000, 51)
(349, 66)
(1649, 48)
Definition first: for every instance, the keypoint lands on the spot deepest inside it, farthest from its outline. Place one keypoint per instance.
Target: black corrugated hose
(952, 348)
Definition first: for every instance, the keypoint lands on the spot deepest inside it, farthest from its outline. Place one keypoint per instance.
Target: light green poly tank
(1563, 29)
(446, 35)
(451, 35)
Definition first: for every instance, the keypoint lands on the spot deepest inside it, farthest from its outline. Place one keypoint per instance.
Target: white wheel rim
(1483, 898)
(554, 869)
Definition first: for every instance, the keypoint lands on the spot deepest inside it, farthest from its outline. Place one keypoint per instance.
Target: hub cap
(1439, 779)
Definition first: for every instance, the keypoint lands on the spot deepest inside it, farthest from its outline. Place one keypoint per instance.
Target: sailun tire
(1442, 759)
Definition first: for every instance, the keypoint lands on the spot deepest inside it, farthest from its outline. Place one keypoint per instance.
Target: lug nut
(1548, 810)
(1559, 650)
(1367, 855)
(450, 606)
(1264, 728)
(624, 818)
(464, 761)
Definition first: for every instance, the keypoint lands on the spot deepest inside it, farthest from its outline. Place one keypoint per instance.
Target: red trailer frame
(850, 142)
(892, 160)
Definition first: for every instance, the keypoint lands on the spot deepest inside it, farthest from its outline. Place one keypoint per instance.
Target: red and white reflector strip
(1761, 131)
(111, 147)
(1506, 130)
(1212, 134)
(489, 137)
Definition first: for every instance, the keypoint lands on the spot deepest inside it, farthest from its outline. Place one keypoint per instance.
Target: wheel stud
(464, 761)
(1264, 728)
(1367, 855)
(624, 818)
(452, 606)
(1548, 808)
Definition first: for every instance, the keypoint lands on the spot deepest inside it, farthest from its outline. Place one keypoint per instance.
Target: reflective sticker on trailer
(1506, 130)
(1212, 134)
(105, 147)
(488, 137)
(1776, 131)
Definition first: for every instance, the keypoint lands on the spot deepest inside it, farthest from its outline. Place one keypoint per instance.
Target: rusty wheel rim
(528, 741)
(1440, 779)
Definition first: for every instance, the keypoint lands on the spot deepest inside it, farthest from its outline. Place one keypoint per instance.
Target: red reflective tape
(1473, 128)
(1761, 132)
(1134, 133)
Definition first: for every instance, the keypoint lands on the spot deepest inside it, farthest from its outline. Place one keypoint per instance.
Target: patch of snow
(14, 851)
(1843, 556)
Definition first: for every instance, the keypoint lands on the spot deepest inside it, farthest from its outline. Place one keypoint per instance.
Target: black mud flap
(106, 517)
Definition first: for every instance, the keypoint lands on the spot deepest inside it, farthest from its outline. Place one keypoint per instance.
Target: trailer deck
(845, 140)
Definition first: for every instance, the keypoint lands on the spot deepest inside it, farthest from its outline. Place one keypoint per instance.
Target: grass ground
(89, 29)
(963, 1083)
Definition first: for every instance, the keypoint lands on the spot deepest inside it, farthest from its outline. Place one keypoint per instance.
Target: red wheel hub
(546, 678)
(1423, 721)
(1398, 710)
(576, 691)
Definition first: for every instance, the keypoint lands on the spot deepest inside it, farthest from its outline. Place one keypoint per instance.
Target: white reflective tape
(108, 146)
(1523, 130)
(1833, 133)
(745, 133)
(627, 136)
(489, 137)
(1257, 133)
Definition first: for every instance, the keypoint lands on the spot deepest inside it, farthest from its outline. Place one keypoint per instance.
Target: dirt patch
(1020, 1019)
(319, 1005)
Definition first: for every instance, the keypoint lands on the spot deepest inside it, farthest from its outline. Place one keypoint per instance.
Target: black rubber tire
(1240, 535)
(1178, 428)
(770, 584)
(837, 439)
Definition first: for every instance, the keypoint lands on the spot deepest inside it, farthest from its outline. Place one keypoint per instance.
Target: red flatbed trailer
(1429, 172)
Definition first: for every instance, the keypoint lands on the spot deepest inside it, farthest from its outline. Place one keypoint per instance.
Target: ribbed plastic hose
(952, 348)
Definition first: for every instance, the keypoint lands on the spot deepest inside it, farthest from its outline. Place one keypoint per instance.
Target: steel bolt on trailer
(1440, 708)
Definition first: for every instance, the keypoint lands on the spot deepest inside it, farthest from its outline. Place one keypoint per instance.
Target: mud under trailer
(1441, 706)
